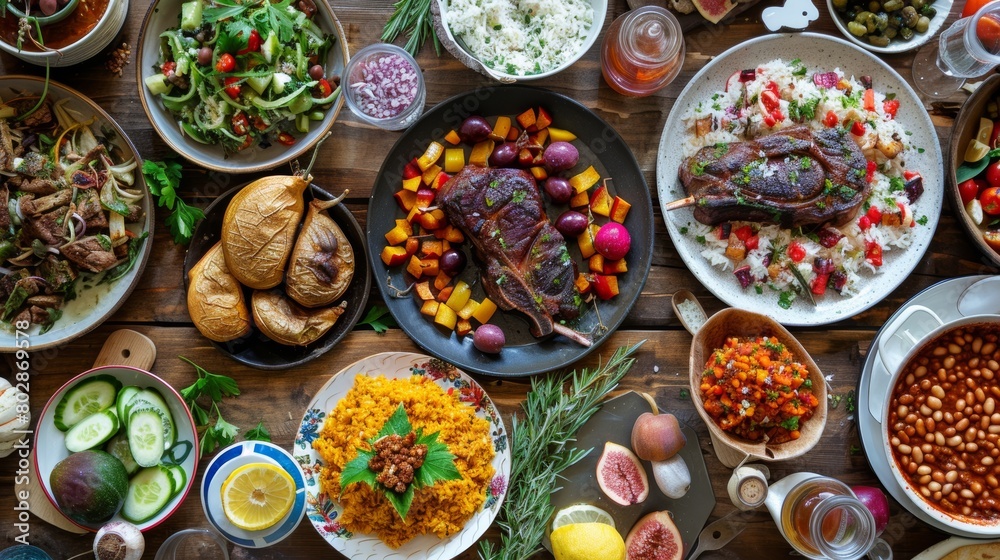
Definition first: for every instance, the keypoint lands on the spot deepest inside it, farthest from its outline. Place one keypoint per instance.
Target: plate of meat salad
(499, 216)
(73, 235)
(805, 189)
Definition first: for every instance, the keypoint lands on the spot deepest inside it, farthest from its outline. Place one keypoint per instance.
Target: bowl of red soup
(63, 32)
(941, 416)
(756, 387)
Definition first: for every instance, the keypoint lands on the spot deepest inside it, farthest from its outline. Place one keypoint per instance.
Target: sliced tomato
(831, 119)
(969, 190)
(873, 253)
(858, 128)
(910, 175)
(868, 99)
(232, 87)
(864, 222)
(874, 214)
(770, 100)
(168, 67)
(890, 106)
(323, 89)
(752, 242)
(743, 233)
(253, 43)
(818, 284)
(870, 171)
(796, 251)
(286, 138)
(240, 124)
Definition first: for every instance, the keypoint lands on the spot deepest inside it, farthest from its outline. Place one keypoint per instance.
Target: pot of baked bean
(941, 416)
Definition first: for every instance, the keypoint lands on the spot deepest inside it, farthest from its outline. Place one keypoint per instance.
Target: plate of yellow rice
(445, 518)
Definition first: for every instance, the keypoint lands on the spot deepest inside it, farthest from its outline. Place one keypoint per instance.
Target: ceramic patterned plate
(896, 46)
(223, 465)
(817, 53)
(324, 511)
(946, 546)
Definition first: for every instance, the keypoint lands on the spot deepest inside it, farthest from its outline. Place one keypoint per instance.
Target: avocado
(89, 486)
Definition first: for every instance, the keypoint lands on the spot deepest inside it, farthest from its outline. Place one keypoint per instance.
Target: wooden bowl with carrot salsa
(757, 389)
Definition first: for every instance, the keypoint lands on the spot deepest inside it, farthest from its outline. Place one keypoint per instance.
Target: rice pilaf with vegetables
(441, 509)
(755, 389)
(764, 257)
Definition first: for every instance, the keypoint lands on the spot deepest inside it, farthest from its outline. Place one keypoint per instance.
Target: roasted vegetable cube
(500, 129)
(619, 210)
(393, 256)
(601, 202)
(430, 156)
(485, 311)
(585, 179)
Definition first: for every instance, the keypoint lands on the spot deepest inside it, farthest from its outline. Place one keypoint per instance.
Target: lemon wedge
(587, 541)
(976, 151)
(256, 496)
(581, 513)
(985, 131)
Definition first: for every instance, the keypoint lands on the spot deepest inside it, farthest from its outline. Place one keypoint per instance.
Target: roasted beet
(914, 188)
(829, 237)
(748, 75)
(823, 266)
(838, 280)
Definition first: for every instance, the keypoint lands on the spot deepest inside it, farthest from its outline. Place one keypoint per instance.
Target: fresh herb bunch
(163, 179)
(541, 446)
(439, 463)
(412, 18)
(218, 433)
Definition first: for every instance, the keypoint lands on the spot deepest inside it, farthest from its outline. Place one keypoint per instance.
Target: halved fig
(654, 537)
(286, 322)
(621, 476)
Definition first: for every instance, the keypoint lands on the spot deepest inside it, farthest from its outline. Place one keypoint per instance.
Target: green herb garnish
(213, 387)
(163, 179)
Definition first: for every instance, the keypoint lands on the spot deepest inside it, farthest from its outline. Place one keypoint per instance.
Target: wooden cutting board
(122, 348)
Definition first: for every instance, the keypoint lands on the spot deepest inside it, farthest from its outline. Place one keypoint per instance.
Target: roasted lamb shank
(794, 177)
(524, 261)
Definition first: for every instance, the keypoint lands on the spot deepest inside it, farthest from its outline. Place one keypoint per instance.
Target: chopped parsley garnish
(922, 220)
(805, 163)
(518, 196)
(785, 300)
(700, 239)
(721, 149)
(698, 167)
(683, 230)
(896, 184)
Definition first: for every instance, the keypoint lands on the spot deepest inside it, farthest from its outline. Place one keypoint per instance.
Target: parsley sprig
(163, 179)
(378, 318)
(438, 465)
(213, 388)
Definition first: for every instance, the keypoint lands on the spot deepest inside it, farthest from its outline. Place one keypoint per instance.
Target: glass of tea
(970, 47)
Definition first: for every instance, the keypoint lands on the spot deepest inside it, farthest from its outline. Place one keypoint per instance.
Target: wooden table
(351, 159)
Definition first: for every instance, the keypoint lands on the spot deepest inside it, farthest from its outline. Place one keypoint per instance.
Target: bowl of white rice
(519, 40)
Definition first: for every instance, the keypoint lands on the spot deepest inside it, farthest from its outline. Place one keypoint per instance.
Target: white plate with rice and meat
(813, 185)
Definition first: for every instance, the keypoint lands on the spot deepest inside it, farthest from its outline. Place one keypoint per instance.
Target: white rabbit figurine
(795, 14)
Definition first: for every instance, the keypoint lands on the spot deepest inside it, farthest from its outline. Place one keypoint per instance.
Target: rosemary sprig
(542, 448)
(412, 18)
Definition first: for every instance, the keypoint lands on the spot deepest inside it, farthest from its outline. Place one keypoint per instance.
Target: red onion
(389, 85)
(81, 224)
(876, 502)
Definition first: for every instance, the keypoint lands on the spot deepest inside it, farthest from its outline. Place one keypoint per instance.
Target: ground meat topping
(396, 460)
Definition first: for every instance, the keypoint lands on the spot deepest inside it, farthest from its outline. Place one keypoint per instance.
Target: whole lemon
(587, 541)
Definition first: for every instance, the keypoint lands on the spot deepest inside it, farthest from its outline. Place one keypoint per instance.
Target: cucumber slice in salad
(150, 398)
(178, 478)
(125, 395)
(148, 492)
(85, 398)
(145, 436)
(92, 431)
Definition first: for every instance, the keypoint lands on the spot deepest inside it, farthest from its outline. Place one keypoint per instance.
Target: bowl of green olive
(889, 26)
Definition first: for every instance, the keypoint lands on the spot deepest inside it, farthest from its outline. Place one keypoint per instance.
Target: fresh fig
(657, 437)
(654, 537)
(621, 476)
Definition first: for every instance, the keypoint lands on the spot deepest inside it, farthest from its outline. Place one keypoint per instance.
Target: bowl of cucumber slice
(126, 429)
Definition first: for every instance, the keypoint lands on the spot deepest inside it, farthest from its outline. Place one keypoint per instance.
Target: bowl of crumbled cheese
(522, 40)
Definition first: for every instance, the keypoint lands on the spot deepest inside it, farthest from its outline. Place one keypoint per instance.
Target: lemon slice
(976, 151)
(587, 541)
(256, 496)
(581, 513)
(985, 131)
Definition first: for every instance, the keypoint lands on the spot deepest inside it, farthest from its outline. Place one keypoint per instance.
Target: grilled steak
(524, 261)
(795, 177)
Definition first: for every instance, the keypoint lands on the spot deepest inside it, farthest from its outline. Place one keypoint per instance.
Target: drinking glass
(201, 544)
(970, 47)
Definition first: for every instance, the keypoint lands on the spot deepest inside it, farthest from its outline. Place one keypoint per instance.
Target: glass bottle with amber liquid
(822, 518)
(642, 51)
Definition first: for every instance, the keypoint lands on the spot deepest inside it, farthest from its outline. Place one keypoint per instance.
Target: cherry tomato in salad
(770, 100)
(286, 138)
(990, 199)
(247, 142)
(818, 284)
(870, 171)
(796, 251)
(858, 128)
(240, 124)
(969, 189)
(168, 67)
(873, 253)
(232, 87)
(890, 107)
(831, 119)
(323, 88)
(874, 215)
(993, 174)
(864, 222)
(225, 64)
(253, 43)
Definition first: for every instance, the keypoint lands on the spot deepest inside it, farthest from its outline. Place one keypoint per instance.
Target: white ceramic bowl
(163, 15)
(943, 8)
(95, 304)
(50, 447)
(86, 48)
(452, 43)
(916, 329)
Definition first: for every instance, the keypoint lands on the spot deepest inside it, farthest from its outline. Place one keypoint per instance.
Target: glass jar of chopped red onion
(384, 86)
